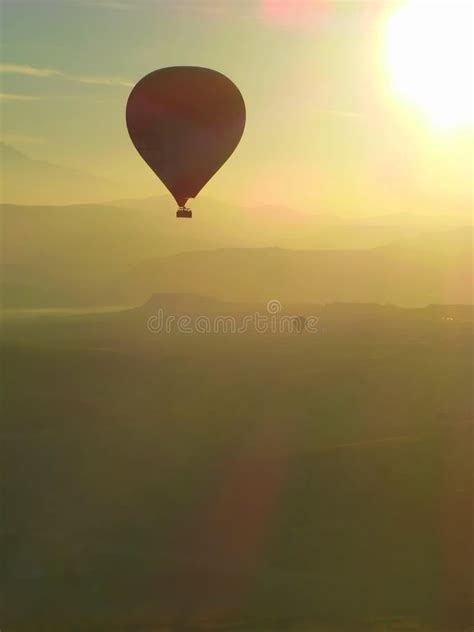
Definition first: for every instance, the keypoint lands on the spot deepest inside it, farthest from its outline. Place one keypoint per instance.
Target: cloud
(17, 69)
(101, 81)
(7, 96)
(47, 73)
(115, 6)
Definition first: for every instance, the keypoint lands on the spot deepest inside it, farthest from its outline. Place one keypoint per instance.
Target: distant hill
(106, 254)
(406, 274)
(197, 304)
(81, 247)
(225, 224)
(338, 318)
(27, 181)
(185, 304)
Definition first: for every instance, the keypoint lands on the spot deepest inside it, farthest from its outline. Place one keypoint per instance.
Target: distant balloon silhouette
(185, 122)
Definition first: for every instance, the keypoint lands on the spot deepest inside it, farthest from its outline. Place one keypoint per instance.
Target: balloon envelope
(185, 122)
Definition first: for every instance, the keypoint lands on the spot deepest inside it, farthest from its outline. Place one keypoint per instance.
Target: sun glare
(430, 57)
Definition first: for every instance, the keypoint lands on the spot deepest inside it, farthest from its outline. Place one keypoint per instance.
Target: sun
(430, 58)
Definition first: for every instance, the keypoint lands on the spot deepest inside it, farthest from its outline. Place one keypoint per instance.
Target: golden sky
(353, 107)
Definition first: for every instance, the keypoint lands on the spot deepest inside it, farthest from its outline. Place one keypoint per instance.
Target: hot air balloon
(185, 122)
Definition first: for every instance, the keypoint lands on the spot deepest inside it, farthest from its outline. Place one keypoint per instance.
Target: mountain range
(27, 181)
(95, 254)
(410, 273)
(121, 251)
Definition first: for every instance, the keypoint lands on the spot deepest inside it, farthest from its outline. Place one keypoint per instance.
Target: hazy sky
(327, 126)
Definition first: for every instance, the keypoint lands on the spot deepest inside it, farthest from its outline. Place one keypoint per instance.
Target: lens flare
(295, 13)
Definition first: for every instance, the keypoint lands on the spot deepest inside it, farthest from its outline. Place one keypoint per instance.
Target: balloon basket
(184, 212)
